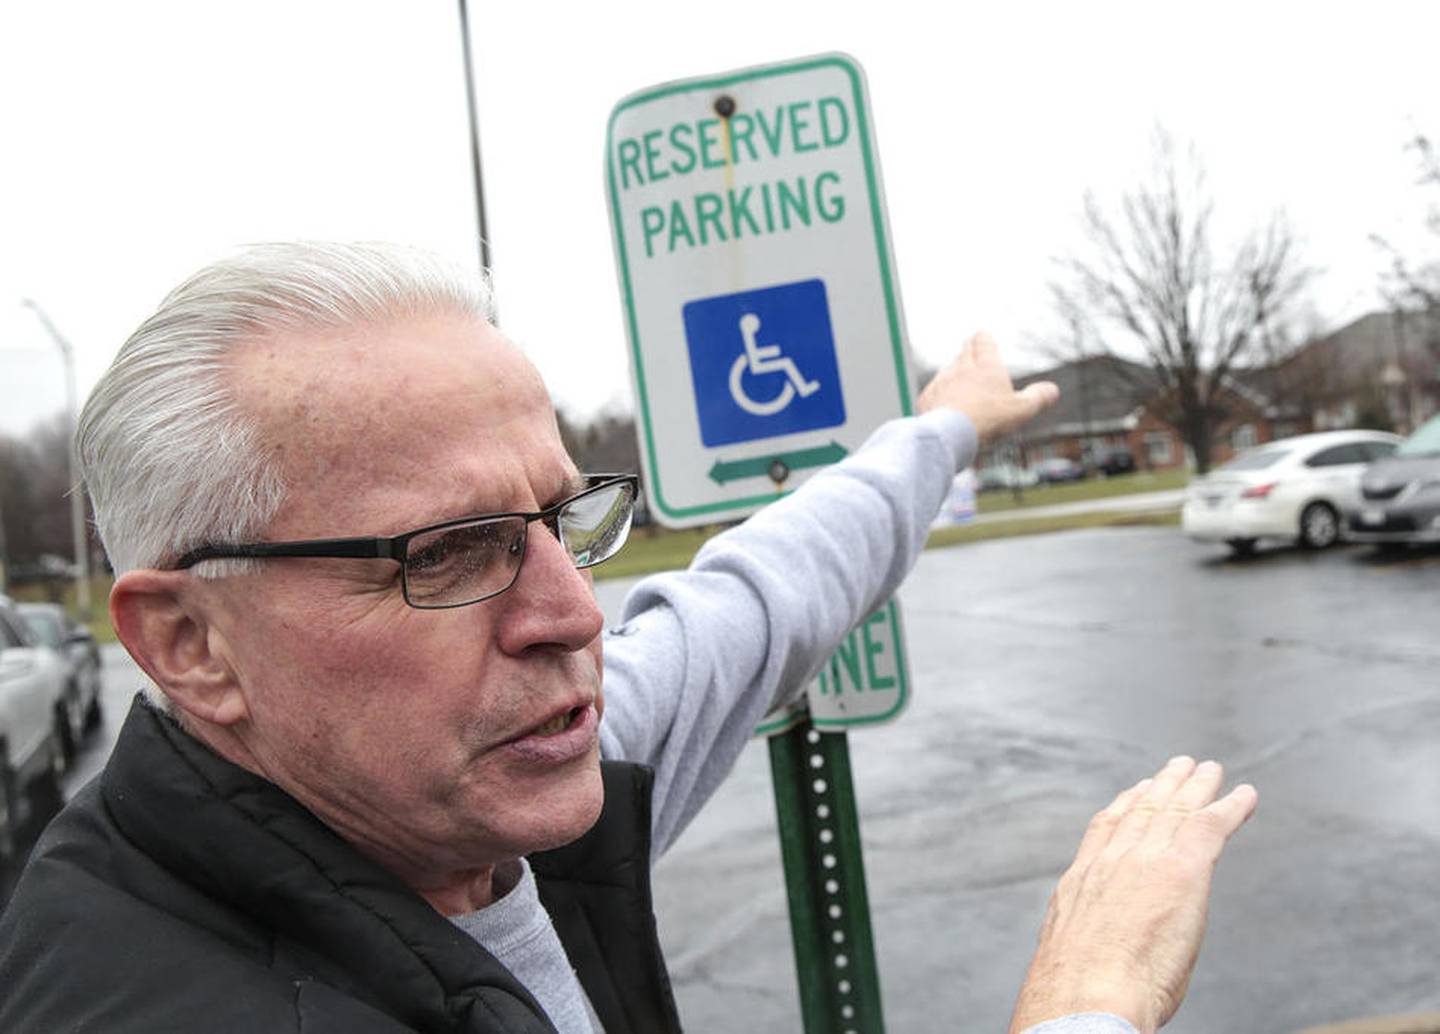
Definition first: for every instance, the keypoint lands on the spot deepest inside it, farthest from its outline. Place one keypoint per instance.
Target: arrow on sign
(781, 464)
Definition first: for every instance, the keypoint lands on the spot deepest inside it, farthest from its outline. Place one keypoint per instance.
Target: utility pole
(474, 136)
(4, 556)
(77, 491)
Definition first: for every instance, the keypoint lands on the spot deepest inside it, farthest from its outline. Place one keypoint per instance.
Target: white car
(1295, 489)
(32, 683)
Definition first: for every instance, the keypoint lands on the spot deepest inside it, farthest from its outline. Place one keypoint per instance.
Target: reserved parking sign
(764, 322)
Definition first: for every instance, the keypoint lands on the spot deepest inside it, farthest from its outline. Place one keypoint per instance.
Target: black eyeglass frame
(393, 547)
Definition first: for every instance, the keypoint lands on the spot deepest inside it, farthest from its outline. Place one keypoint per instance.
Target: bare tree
(1412, 287)
(34, 505)
(1150, 272)
(606, 443)
(1408, 285)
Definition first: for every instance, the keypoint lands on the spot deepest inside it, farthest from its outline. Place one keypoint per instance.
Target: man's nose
(551, 603)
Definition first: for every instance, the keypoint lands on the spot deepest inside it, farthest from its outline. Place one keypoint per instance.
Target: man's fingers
(1136, 821)
(1213, 825)
(978, 385)
(1038, 396)
(1190, 796)
(983, 349)
(1102, 825)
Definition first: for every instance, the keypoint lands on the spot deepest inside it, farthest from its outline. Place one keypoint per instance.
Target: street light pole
(474, 136)
(77, 491)
(4, 556)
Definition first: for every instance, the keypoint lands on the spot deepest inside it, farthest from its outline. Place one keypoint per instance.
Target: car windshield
(45, 626)
(1424, 442)
(1257, 460)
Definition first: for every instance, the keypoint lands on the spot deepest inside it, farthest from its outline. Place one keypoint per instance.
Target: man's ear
(165, 624)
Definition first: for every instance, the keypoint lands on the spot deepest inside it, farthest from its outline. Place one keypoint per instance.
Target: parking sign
(765, 328)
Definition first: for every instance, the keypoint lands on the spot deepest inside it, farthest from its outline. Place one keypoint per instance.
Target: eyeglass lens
(594, 526)
(461, 564)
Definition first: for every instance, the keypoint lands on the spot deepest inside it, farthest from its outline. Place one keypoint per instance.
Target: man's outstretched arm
(706, 651)
(1124, 926)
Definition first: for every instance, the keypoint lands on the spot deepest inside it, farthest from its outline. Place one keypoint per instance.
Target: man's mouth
(559, 723)
(560, 739)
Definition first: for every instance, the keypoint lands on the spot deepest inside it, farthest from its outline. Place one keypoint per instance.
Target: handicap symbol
(763, 363)
(760, 359)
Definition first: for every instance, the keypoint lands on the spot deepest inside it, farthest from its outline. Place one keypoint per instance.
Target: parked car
(56, 630)
(1005, 476)
(1400, 496)
(1295, 489)
(30, 755)
(1055, 471)
(1111, 461)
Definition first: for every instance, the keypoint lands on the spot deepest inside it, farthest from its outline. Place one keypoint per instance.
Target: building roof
(1354, 356)
(1098, 395)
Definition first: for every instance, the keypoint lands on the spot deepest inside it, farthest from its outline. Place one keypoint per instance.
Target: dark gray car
(1400, 496)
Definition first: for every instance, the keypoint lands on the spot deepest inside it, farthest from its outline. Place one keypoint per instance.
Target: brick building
(1381, 371)
(1109, 403)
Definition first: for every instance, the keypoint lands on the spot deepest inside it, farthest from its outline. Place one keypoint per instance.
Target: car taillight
(1259, 491)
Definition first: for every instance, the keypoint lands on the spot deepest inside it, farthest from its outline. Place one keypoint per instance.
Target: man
(350, 551)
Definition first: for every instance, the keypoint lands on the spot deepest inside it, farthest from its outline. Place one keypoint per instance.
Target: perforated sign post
(767, 341)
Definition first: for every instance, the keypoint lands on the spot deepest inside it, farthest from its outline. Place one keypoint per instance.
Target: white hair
(169, 458)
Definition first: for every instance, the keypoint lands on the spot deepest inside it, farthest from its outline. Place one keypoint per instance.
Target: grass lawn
(657, 549)
(1090, 488)
(964, 533)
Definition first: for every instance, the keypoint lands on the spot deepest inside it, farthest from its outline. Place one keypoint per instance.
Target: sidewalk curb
(1415, 1023)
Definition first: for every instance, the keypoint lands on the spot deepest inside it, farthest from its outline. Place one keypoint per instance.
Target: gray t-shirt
(517, 930)
(702, 654)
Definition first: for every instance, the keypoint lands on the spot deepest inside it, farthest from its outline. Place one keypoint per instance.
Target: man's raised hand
(1125, 924)
(978, 385)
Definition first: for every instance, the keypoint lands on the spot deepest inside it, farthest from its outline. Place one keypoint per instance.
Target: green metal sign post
(825, 882)
(867, 681)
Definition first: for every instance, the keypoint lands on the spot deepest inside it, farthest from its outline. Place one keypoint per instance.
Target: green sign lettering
(874, 649)
(683, 147)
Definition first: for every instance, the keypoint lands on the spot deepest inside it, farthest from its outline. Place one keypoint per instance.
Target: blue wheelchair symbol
(763, 363)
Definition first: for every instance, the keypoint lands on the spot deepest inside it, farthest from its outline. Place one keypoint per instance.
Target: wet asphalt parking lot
(1049, 673)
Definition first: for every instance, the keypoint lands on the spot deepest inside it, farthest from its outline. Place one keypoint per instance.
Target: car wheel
(94, 714)
(65, 734)
(1319, 526)
(1241, 547)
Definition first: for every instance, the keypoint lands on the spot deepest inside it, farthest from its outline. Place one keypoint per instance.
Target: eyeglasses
(474, 558)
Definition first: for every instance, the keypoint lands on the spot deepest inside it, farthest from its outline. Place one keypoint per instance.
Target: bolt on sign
(764, 319)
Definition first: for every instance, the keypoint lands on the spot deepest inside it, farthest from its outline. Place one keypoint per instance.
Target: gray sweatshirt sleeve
(1084, 1023)
(703, 653)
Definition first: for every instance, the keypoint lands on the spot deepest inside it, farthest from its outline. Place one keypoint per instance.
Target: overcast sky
(143, 139)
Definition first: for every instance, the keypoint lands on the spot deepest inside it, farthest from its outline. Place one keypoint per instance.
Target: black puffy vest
(179, 892)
